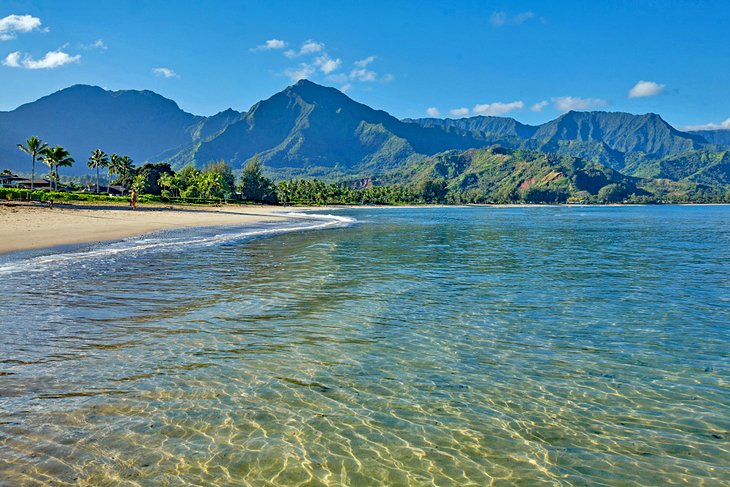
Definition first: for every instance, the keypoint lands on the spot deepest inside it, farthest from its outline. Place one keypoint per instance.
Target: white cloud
(363, 74)
(13, 60)
(327, 64)
(52, 59)
(710, 126)
(165, 72)
(339, 78)
(269, 45)
(98, 44)
(538, 107)
(359, 73)
(497, 108)
(308, 47)
(459, 112)
(646, 88)
(501, 18)
(432, 112)
(364, 62)
(568, 103)
(304, 71)
(11, 25)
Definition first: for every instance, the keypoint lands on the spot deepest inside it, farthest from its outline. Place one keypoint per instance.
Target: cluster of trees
(315, 192)
(115, 165)
(57, 156)
(215, 181)
(494, 183)
(53, 157)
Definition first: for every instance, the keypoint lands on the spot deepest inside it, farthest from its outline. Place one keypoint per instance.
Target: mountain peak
(310, 88)
(305, 82)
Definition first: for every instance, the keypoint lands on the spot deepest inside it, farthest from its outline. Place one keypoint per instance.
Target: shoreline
(33, 227)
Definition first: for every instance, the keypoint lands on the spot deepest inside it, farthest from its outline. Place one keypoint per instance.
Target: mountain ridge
(309, 129)
(139, 123)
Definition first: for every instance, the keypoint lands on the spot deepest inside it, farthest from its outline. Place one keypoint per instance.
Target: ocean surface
(431, 346)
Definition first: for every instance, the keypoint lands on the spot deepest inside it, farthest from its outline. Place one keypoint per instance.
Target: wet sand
(26, 226)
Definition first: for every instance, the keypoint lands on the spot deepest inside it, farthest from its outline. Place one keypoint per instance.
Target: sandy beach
(32, 226)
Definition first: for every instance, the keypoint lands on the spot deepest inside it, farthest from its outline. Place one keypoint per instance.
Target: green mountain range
(318, 129)
(602, 136)
(500, 175)
(141, 124)
(312, 130)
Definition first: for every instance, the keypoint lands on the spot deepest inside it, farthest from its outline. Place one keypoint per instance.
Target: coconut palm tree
(98, 159)
(64, 162)
(55, 157)
(168, 182)
(113, 168)
(125, 166)
(33, 146)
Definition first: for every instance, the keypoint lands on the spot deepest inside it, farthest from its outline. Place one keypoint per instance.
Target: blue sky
(530, 60)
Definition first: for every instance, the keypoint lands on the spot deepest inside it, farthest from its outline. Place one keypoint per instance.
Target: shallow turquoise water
(453, 346)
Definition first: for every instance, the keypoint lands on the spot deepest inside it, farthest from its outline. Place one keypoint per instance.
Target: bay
(403, 346)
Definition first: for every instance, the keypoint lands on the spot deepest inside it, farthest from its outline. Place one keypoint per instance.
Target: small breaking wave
(171, 243)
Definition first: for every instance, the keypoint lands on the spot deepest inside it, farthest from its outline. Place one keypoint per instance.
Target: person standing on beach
(133, 199)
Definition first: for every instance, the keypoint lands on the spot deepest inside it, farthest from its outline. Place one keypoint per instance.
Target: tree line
(216, 180)
(56, 156)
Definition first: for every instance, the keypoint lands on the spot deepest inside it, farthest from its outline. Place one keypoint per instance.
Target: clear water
(459, 346)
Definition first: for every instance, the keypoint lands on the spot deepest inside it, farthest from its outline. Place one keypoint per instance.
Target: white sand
(32, 226)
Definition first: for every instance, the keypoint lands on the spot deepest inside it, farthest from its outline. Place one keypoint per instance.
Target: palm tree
(98, 159)
(33, 146)
(55, 157)
(169, 182)
(125, 166)
(113, 168)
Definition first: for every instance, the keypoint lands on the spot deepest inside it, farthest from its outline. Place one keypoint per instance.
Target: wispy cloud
(165, 72)
(315, 59)
(710, 126)
(539, 106)
(98, 44)
(327, 64)
(308, 47)
(323, 62)
(270, 45)
(646, 88)
(361, 72)
(568, 103)
(497, 108)
(12, 25)
(432, 112)
(501, 18)
(304, 71)
(364, 62)
(459, 112)
(52, 59)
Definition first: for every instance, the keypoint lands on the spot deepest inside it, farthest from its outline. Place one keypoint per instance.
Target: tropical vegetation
(495, 175)
(55, 157)
(34, 147)
(97, 160)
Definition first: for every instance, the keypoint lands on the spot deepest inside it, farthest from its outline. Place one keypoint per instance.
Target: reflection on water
(428, 346)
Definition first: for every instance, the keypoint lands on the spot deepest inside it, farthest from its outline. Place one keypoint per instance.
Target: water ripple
(536, 346)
